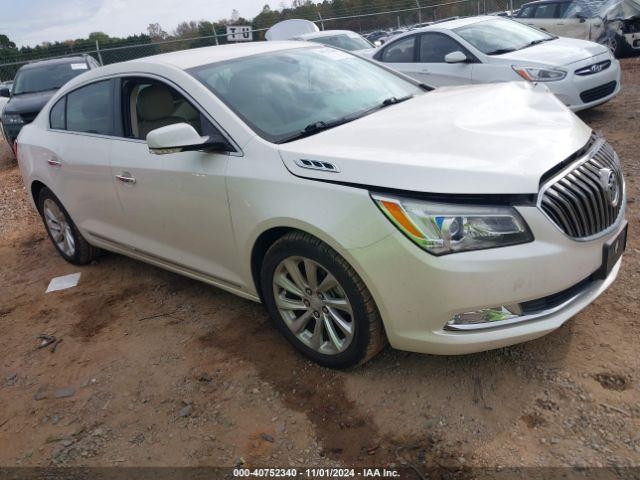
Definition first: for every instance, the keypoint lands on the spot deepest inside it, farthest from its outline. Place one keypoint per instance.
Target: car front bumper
(418, 293)
(570, 90)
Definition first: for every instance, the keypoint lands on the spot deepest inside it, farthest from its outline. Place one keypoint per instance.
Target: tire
(68, 240)
(350, 324)
(617, 45)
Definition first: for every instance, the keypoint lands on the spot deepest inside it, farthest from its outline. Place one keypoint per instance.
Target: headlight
(12, 119)
(442, 228)
(539, 74)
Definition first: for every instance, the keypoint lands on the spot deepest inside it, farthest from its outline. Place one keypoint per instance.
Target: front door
(175, 204)
(431, 66)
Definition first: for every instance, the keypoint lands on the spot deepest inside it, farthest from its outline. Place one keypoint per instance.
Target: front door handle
(126, 178)
(54, 163)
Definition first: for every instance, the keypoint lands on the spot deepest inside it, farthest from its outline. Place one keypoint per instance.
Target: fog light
(484, 316)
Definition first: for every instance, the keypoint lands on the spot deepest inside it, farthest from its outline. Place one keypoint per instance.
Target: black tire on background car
(319, 302)
(64, 234)
(617, 44)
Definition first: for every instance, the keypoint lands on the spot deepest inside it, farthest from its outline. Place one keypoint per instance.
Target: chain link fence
(397, 14)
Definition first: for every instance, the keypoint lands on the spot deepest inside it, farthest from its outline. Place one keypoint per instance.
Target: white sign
(239, 34)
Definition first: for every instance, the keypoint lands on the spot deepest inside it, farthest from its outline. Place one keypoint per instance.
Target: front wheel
(320, 303)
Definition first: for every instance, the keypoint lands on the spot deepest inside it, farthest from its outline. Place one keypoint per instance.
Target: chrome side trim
(147, 257)
(594, 288)
(512, 321)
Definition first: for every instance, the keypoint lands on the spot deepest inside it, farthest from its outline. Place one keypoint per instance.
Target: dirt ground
(155, 369)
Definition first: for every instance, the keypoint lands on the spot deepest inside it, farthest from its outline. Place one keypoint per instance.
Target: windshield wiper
(321, 125)
(536, 42)
(36, 91)
(500, 51)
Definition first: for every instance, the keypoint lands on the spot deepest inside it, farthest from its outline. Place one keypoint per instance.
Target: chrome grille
(583, 200)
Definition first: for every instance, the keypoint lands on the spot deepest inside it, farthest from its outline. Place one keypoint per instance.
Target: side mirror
(182, 137)
(455, 57)
(581, 17)
(5, 92)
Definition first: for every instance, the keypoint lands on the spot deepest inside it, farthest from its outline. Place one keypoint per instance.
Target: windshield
(46, 77)
(282, 93)
(344, 41)
(497, 36)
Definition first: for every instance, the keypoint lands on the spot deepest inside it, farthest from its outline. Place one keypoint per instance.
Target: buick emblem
(596, 68)
(609, 182)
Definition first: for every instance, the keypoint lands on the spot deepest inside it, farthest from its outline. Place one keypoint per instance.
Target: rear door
(85, 124)
(401, 55)
(175, 205)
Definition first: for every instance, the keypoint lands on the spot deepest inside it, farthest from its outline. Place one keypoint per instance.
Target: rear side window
(57, 116)
(400, 51)
(90, 109)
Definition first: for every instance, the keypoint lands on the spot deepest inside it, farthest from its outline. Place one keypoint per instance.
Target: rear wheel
(319, 302)
(64, 234)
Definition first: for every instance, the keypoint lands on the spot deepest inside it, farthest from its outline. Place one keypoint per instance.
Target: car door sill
(138, 254)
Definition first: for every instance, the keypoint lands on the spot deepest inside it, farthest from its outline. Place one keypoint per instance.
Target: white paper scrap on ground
(64, 282)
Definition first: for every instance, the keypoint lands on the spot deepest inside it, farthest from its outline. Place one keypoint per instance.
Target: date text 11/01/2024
(316, 472)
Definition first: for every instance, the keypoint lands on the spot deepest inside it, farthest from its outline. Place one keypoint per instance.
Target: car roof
(55, 61)
(185, 59)
(325, 33)
(455, 23)
(541, 2)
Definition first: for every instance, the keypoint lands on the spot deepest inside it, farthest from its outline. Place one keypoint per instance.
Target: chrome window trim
(238, 153)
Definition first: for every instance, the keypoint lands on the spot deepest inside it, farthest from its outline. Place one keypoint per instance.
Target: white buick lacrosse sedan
(358, 205)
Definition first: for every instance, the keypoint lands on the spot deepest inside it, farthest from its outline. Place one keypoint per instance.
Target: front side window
(435, 46)
(46, 77)
(344, 41)
(546, 10)
(497, 36)
(150, 104)
(526, 12)
(281, 94)
(573, 10)
(90, 109)
(400, 51)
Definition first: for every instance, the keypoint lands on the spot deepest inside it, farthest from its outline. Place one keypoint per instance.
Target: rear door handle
(126, 178)
(54, 163)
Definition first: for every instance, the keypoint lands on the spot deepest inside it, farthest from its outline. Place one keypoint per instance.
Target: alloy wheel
(59, 228)
(313, 305)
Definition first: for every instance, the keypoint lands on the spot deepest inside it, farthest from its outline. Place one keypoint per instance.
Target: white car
(355, 203)
(614, 23)
(344, 39)
(491, 49)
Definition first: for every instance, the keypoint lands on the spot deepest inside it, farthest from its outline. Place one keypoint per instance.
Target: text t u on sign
(239, 34)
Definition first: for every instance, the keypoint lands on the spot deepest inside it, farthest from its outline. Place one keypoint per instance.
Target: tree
(99, 37)
(187, 30)
(156, 32)
(5, 42)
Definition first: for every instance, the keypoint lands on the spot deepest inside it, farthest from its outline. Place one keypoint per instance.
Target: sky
(30, 22)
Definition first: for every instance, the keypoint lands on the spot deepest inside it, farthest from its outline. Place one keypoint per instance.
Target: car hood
(558, 52)
(28, 102)
(484, 139)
